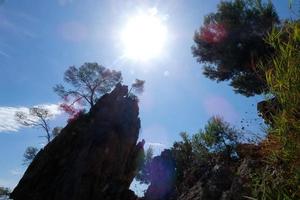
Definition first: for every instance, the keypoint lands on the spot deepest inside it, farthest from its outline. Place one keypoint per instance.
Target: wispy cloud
(8, 122)
(157, 137)
(157, 147)
(12, 26)
(155, 144)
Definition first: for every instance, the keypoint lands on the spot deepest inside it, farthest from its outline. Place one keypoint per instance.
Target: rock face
(218, 178)
(94, 157)
(267, 109)
(222, 180)
(213, 181)
(162, 177)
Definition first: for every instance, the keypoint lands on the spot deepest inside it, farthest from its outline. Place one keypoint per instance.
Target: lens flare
(144, 37)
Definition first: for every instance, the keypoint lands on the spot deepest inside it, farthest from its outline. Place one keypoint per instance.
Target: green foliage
(217, 138)
(4, 191)
(231, 42)
(280, 178)
(29, 155)
(284, 82)
(144, 174)
(272, 182)
(198, 145)
(149, 154)
(284, 78)
(88, 82)
(184, 149)
(183, 154)
(137, 87)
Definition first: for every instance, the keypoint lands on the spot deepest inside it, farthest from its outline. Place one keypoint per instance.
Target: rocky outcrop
(162, 178)
(211, 185)
(94, 157)
(218, 180)
(267, 109)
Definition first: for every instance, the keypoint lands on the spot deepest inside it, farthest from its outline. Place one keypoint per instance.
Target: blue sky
(41, 39)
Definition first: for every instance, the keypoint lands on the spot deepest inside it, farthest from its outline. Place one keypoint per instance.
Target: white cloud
(54, 108)
(157, 137)
(156, 147)
(8, 122)
(155, 144)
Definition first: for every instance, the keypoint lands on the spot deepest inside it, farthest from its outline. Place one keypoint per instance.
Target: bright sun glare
(144, 36)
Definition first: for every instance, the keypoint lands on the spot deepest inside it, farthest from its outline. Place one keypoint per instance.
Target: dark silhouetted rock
(267, 109)
(93, 158)
(162, 178)
(217, 180)
(211, 185)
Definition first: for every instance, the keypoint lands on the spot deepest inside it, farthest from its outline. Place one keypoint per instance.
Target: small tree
(137, 87)
(144, 173)
(183, 154)
(29, 155)
(37, 117)
(88, 82)
(218, 136)
(4, 191)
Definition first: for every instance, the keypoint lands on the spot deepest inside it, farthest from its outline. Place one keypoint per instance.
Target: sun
(144, 36)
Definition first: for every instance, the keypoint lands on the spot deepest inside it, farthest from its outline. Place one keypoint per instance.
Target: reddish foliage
(213, 33)
(75, 116)
(71, 111)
